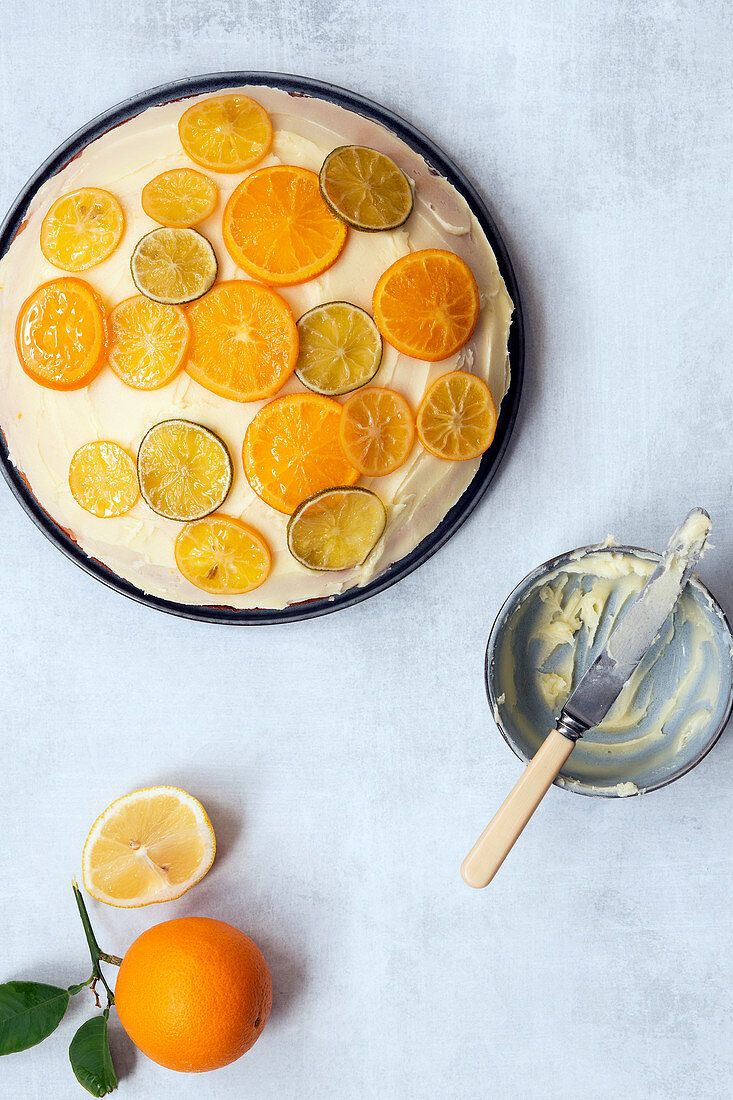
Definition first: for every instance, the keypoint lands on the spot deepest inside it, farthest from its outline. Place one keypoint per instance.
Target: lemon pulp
(150, 845)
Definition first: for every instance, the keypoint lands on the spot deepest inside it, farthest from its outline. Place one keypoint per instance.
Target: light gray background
(349, 762)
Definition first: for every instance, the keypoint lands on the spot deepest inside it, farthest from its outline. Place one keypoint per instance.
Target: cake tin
(439, 163)
(566, 780)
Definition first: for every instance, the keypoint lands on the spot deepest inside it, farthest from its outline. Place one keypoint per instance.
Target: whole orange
(193, 994)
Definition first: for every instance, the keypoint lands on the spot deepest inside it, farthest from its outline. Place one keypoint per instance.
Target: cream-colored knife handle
(500, 835)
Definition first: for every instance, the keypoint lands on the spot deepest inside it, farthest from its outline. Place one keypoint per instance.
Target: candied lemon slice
(457, 417)
(61, 334)
(184, 469)
(292, 449)
(337, 528)
(340, 348)
(150, 845)
(377, 431)
(365, 188)
(81, 229)
(173, 265)
(103, 479)
(226, 133)
(148, 342)
(222, 555)
(179, 198)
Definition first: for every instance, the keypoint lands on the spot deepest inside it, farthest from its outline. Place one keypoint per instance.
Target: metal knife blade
(638, 628)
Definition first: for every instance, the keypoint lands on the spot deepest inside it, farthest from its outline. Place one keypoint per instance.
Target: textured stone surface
(348, 763)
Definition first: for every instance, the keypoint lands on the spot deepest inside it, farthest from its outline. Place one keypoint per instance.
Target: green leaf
(29, 1012)
(90, 1058)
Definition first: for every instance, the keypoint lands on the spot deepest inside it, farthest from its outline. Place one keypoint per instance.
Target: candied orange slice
(457, 417)
(148, 342)
(377, 431)
(223, 556)
(179, 198)
(61, 334)
(292, 450)
(226, 133)
(244, 341)
(278, 229)
(103, 479)
(81, 229)
(427, 304)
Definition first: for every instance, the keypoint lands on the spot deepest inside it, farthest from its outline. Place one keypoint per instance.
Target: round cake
(48, 424)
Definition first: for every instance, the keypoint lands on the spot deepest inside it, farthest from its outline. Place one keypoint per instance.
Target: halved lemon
(173, 265)
(365, 188)
(377, 430)
(185, 470)
(81, 229)
(337, 528)
(226, 133)
(103, 479)
(148, 342)
(179, 198)
(457, 418)
(150, 845)
(222, 555)
(340, 348)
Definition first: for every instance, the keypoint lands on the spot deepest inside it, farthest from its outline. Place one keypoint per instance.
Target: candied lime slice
(340, 348)
(365, 188)
(336, 528)
(185, 470)
(173, 265)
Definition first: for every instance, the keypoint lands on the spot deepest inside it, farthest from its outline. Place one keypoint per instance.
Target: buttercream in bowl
(668, 714)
